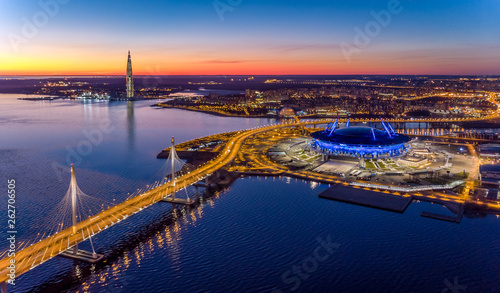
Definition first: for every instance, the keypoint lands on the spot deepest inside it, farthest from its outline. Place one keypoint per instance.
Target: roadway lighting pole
(172, 153)
(73, 203)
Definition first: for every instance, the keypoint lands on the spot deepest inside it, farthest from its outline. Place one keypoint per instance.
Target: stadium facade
(360, 141)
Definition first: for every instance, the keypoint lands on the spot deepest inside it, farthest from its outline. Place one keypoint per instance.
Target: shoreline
(480, 124)
(215, 113)
(52, 98)
(240, 115)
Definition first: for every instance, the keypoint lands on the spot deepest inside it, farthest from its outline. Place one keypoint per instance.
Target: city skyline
(255, 38)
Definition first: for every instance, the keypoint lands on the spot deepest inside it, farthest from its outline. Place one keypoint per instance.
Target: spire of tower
(130, 78)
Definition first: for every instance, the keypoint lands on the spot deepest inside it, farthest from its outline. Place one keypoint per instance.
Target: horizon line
(139, 75)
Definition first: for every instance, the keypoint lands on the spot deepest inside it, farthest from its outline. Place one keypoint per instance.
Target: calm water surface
(250, 238)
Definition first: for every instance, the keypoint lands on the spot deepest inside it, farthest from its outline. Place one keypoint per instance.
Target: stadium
(360, 141)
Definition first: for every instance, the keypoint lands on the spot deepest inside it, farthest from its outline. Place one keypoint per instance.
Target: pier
(369, 198)
(391, 202)
(82, 255)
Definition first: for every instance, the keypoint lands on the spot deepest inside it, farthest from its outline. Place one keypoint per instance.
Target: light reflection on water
(166, 239)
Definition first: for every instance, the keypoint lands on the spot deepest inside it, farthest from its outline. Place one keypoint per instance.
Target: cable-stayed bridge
(90, 216)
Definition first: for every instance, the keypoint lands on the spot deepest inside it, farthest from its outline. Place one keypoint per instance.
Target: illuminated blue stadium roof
(358, 131)
(360, 135)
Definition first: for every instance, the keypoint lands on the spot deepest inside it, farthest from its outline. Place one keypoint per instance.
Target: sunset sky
(253, 37)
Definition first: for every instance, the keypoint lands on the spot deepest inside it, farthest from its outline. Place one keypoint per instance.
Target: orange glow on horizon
(110, 63)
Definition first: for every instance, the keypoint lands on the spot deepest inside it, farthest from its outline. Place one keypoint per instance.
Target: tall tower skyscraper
(130, 78)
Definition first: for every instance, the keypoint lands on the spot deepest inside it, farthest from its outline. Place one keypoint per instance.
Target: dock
(368, 198)
(82, 255)
(182, 201)
(456, 219)
(438, 217)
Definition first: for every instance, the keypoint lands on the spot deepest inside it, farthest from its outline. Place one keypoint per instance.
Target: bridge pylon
(73, 204)
(172, 159)
(74, 252)
(172, 199)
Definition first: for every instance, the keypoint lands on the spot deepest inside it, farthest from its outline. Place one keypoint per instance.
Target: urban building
(489, 150)
(489, 174)
(130, 79)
